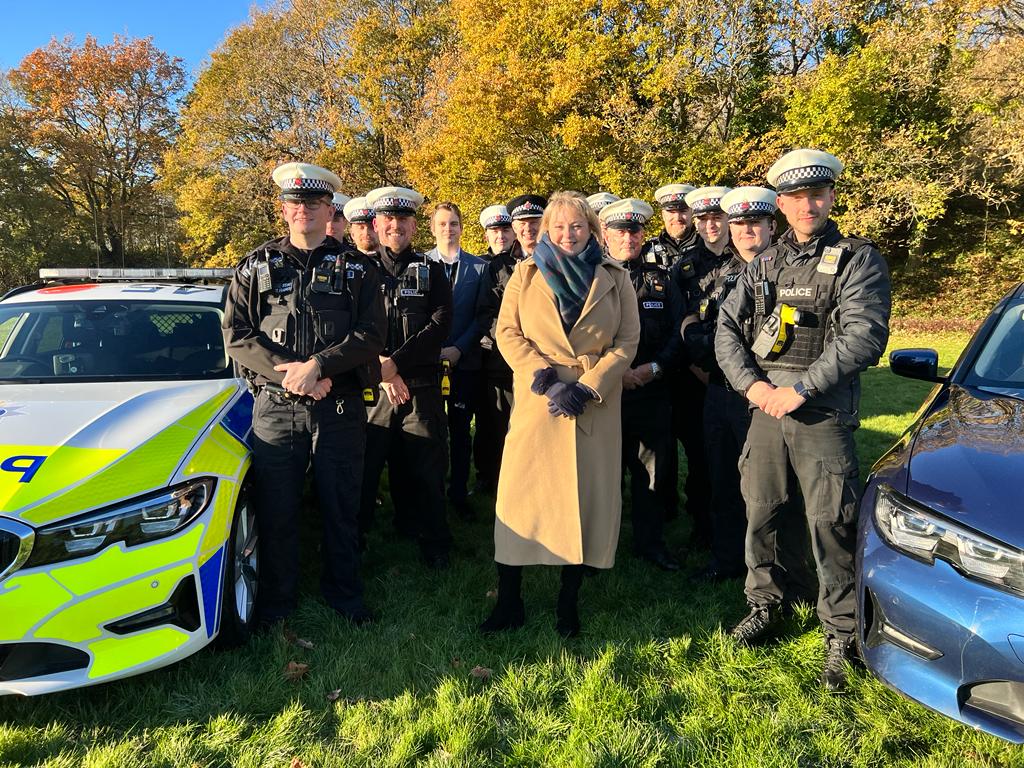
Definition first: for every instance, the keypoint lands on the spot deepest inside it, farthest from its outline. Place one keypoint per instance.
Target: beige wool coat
(559, 493)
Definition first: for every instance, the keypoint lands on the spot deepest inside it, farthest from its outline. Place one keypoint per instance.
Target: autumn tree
(346, 96)
(97, 120)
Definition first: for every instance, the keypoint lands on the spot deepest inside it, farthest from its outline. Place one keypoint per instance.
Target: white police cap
(672, 197)
(495, 216)
(357, 211)
(631, 214)
(599, 200)
(750, 203)
(395, 200)
(804, 169)
(339, 202)
(304, 180)
(706, 200)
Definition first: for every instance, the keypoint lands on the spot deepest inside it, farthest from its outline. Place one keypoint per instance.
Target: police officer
(494, 405)
(676, 236)
(803, 321)
(597, 202)
(690, 259)
(751, 212)
(407, 423)
(338, 224)
(526, 212)
(361, 233)
(648, 445)
(304, 318)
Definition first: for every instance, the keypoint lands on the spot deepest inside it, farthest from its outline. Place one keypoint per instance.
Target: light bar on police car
(92, 273)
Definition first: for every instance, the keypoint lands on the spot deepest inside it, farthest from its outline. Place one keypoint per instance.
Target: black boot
(838, 651)
(568, 618)
(757, 626)
(509, 612)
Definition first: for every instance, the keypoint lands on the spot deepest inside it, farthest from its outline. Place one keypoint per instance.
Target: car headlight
(133, 522)
(919, 532)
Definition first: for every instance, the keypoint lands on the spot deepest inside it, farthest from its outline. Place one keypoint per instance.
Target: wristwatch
(804, 391)
(656, 370)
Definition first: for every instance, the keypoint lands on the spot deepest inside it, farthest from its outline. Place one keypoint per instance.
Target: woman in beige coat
(569, 328)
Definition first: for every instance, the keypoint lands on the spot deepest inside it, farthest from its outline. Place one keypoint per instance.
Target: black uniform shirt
(864, 297)
(699, 337)
(343, 331)
(418, 324)
(661, 313)
(492, 289)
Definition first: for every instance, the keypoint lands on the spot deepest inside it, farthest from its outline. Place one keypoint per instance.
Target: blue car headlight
(137, 521)
(921, 533)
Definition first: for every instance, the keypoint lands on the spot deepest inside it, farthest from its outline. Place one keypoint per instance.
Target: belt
(284, 397)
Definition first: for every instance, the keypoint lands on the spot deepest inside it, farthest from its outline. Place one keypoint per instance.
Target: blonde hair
(577, 202)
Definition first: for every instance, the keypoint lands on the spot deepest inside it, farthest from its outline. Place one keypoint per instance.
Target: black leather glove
(568, 400)
(542, 380)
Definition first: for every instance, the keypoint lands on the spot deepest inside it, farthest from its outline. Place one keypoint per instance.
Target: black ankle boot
(509, 612)
(567, 616)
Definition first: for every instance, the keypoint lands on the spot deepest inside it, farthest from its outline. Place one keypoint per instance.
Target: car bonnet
(967, 463)
(69, 448)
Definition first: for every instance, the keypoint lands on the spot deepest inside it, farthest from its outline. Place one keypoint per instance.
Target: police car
(127, 540)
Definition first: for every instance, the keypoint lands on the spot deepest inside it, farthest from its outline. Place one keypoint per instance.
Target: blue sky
(186, 28)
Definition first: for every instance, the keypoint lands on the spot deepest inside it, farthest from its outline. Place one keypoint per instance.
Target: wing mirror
(916, 364)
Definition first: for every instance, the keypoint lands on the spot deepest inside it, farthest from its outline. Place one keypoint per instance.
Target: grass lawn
(653, 681)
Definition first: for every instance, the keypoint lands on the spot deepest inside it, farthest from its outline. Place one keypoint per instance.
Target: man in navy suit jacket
(462, 348)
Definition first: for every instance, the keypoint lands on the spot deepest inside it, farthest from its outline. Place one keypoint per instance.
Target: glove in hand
(568, 400)
(542, 380)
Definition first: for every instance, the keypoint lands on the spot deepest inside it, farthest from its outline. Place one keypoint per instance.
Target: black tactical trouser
(411, 436)
(284, 436)
(688, 421)
(648, 454)
(821, 452)
(726, 420)
(461, 401)
(493, 410)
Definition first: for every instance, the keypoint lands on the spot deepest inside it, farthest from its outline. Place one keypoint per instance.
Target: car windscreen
(111, 341)
(1000, 363)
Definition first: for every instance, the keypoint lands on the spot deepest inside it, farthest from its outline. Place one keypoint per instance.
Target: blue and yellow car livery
(126, 537)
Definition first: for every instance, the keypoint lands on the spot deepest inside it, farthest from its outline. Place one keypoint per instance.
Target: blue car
(940, 560)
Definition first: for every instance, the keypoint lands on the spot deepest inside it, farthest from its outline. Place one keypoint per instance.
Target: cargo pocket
(838, 490)
(744, 473)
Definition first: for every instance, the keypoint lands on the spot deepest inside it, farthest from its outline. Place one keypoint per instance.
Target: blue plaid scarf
(568, 277)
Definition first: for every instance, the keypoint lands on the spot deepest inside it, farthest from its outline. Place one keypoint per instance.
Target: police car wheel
(238, 595)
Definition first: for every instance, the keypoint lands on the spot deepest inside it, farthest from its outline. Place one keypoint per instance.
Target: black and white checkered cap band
(751, 208)
(362, 214)
(527, 210)
(394, 203)
(498, 220)
(808, 173)
(629, 217)
(339, 208)
(706, 205)
(675, 197)
(308, 185)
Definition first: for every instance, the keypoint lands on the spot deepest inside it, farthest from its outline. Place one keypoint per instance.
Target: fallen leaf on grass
(295, 671)
(296, 763)
(302, 642)
(456, 662)
(492, 594)
(334, 695)
(481, 673)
